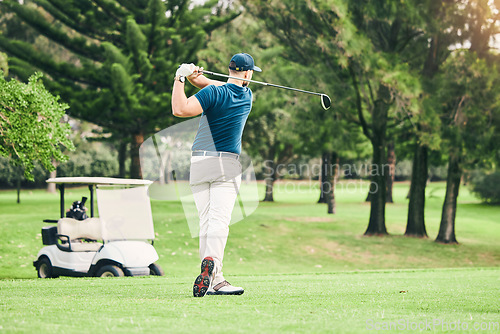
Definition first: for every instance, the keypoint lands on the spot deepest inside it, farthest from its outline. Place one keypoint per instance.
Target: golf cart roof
(97, 180)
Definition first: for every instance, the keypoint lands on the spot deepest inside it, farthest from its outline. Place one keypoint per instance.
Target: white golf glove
(185, 70)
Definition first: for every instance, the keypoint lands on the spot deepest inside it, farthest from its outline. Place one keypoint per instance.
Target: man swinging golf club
(215, 175)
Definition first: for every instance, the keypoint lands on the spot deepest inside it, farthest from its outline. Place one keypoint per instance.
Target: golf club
(325, 99)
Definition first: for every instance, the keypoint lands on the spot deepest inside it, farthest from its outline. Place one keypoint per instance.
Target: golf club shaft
(261, 83)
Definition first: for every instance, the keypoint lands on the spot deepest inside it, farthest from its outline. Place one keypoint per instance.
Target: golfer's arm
(183, 106)
(202, 81)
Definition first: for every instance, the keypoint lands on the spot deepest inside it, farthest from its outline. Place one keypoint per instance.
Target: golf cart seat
(79, 235)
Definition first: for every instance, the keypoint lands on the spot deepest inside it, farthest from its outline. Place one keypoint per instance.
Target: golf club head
(326, 103)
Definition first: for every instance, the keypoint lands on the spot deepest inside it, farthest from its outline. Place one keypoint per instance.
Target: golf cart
(117, 243)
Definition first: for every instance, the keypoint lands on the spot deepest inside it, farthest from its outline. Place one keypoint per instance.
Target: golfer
(215, 175)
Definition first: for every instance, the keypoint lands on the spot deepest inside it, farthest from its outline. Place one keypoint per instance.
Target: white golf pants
(215, 182)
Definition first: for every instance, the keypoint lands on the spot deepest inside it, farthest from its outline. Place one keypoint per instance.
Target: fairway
(351, 302)
(303, 271)
(278, 166)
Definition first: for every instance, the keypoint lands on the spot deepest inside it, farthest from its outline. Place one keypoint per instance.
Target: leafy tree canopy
(127, 53)
(30, 124)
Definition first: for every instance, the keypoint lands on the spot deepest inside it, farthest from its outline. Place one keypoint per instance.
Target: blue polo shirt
(225, 112)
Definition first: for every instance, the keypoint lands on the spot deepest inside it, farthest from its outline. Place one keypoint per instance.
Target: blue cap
(243, 62)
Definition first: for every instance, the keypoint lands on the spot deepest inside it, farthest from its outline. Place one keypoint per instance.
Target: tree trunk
(51, 187)
(323, 177)
(135, 163)
(447, 227)
(376, 225)
(331, 178)
(122, 157)
(415, 226)
(271, 177)
(377, 135)
(369, 196)
(168, 167)
(391, 162)
(18, 183)
(165, 168)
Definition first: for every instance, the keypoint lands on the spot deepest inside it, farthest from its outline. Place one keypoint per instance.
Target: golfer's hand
(197, 71)
(185, 70)
(197, 79)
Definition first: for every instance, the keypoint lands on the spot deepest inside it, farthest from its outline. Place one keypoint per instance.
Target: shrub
(438, 173)
(96, 160)
(403, 170)
(485, 186)
(9, 174)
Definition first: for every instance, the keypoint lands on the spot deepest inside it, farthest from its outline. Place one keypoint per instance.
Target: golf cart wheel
(155, 270)
(44, 268)
(110, 271)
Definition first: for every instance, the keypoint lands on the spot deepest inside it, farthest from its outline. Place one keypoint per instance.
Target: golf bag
(77, 210)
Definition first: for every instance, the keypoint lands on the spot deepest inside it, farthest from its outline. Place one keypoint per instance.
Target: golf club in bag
(325, 99)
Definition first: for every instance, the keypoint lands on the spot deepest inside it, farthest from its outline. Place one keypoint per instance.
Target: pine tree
(368, 41)
(425, 133)
(469, 95)
(128, 52)
(320, 133)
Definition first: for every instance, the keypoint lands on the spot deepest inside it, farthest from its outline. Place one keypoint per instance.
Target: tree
(329, 175)
(391, 164)
(469, 99)
(30, 124)
(321, 133)
(332, 138)
(470, 94)
(392, 30)
(367, 40)
(325, 133)
(128, 53)
(269, 135)
(441, 30)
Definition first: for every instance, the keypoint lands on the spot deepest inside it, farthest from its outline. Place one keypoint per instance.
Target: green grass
(299, 303)
(303, 270)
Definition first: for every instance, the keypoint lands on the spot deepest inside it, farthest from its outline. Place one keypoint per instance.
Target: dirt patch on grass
(358, 256)
(334, 250)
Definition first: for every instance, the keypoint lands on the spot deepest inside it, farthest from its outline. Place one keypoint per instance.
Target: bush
(403, 170)
(10, 173)
(438, 173)
(485, 186)
(95, 160)
(98, 162)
